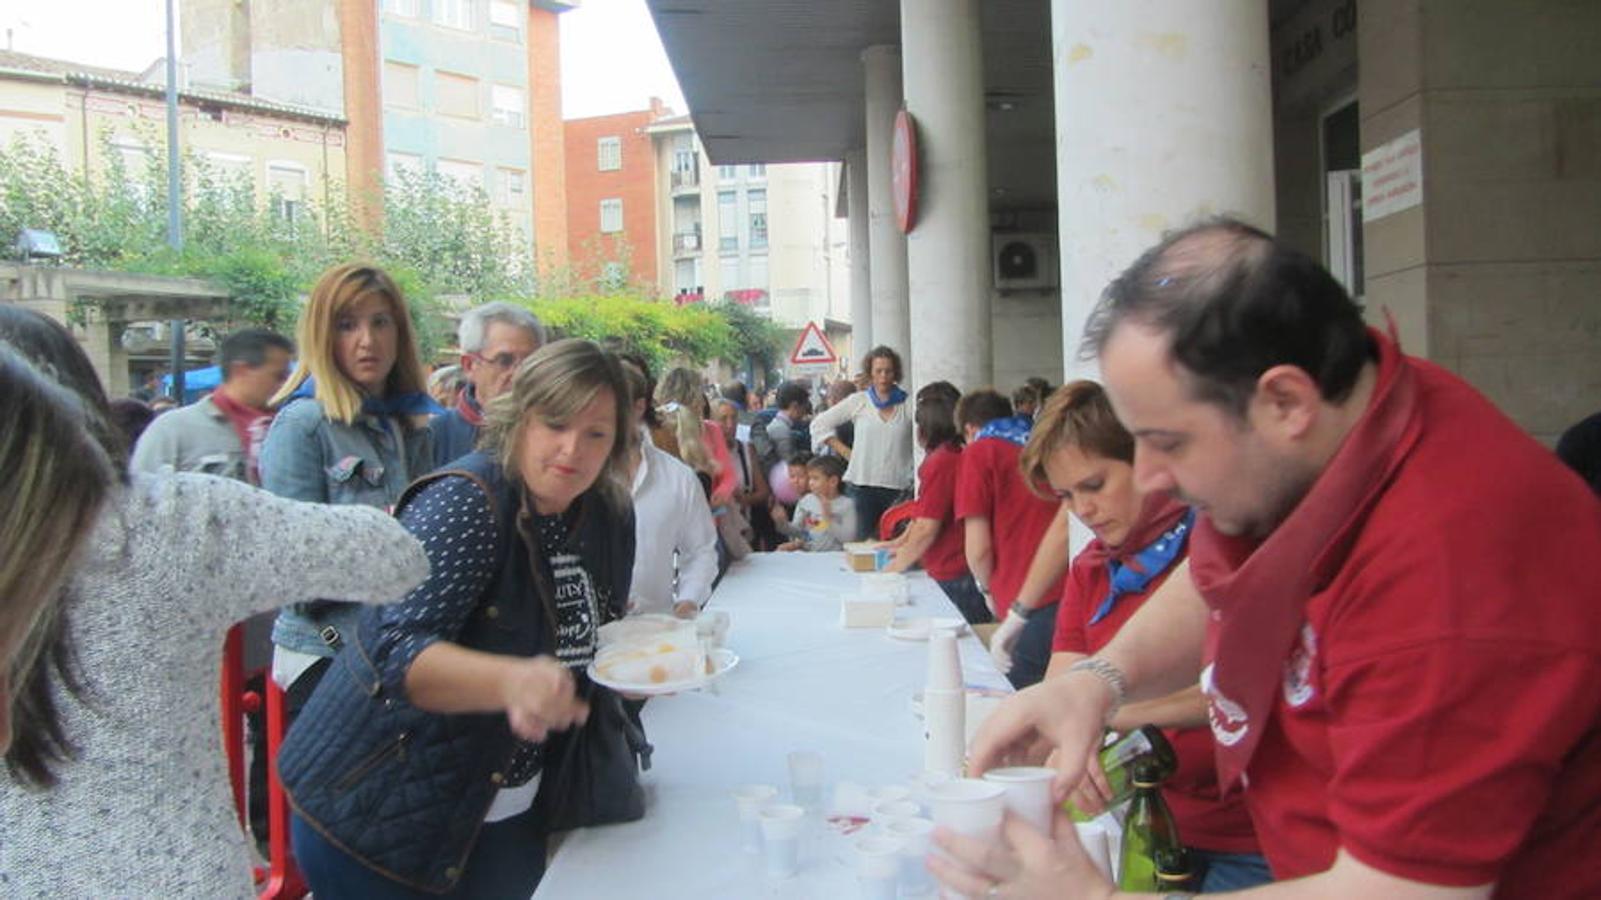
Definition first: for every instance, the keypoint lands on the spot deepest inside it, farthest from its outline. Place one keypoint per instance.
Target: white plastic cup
(889, 792)
(1028, 793)
(878, 866)
(806, 778)
(1097, 845)
(886, 811)
(750, 799)
(781, 831)
(916, 837)
(944, 730)
(944, 663)
(970, 806)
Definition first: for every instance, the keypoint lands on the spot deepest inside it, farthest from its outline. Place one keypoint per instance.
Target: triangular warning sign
(813, 349)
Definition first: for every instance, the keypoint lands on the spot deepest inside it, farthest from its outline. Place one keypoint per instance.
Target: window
(611, 216)
(136, 160)
(728, 271)
(614, 275)
(457, 95)
(686, 275)
(727, 222)
(400, 85)
(758, 170)
(229, 169)
(464, 172)
(398, 165)
(407, 8)
(758, 273)
(512, 187)
(756, 204)
(454, 13)
(609, 154)
(286, 188)
(505, 20)
(728, 173)
(684, 160)
(506, 105)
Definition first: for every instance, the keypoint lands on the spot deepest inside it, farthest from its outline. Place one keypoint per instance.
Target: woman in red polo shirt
(934, 537)
(1086, 456)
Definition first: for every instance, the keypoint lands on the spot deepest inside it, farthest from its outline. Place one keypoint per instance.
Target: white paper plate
(919, 628)
(722, 660)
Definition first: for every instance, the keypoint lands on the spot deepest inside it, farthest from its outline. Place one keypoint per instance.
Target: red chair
(895, 518)
(281, 880)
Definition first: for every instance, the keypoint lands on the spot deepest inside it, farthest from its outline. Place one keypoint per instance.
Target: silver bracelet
(1108, 673)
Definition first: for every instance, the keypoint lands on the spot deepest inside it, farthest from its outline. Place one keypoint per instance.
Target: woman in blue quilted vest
(414, 768)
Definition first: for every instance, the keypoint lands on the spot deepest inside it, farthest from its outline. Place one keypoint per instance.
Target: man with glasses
(495, 338)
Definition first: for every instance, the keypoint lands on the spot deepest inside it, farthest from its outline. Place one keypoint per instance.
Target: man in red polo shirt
(1004, 523)
(1392, 604)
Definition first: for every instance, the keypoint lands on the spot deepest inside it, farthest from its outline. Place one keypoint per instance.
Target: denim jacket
(309, 457)
(402, 790)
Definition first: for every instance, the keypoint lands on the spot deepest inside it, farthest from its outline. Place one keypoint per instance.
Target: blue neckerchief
(1135, 576)
(896, 396)
(415, 403)
(1011, 428)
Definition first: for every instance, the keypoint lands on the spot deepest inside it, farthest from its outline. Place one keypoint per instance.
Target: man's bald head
(1233, 302)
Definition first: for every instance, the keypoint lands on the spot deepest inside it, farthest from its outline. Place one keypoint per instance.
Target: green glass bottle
(1148, 831)
(1119, 758)
(1172, 870)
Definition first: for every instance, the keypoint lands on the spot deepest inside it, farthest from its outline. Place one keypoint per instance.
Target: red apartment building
(611, 195)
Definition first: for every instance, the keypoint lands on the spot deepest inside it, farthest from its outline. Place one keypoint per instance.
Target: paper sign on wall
(1392, 177)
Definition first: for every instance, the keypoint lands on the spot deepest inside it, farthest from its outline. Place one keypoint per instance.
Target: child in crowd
(824, 519)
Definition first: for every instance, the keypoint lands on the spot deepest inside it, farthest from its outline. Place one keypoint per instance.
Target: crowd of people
(1351, 592)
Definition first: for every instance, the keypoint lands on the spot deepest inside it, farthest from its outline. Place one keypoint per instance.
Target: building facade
(611, 197)
(466, 88)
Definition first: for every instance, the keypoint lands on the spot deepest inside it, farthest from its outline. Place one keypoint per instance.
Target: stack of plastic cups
(944, 707)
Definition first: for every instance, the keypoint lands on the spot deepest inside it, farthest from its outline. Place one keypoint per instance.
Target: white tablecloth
(803, 683)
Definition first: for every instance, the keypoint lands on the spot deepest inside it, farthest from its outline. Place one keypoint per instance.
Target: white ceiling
(781, 81)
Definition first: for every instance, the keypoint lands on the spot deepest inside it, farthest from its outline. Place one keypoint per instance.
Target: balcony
(686, 243)
(685, 182)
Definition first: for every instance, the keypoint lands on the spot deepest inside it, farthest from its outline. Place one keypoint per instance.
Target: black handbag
(591, 773)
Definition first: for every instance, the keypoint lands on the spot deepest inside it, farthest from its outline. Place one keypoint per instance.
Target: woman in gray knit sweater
(141, 805)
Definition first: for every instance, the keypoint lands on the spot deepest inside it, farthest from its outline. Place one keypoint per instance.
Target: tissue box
(886, 584)
(861, 556)
(866, 612)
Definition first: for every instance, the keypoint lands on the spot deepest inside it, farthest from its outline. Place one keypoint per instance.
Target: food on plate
(661, 658)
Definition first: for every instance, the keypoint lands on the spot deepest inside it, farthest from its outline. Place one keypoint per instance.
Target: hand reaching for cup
(1027, 864)
(540, 697)
(1065, 714)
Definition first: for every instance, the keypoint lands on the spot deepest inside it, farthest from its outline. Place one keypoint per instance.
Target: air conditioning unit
(1024, 262)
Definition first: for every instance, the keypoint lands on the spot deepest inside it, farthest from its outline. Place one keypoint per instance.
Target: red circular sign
(903, 171)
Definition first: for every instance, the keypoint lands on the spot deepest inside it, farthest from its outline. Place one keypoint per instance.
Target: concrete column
(1163, 116)
(861, 268)
(947, 253)
(886, 244)
(102, 343)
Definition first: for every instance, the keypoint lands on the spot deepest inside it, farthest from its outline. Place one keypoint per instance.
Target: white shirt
(881, 454)
(670, 515)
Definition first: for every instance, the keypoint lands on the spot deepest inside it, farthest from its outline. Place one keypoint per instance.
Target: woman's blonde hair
(679, 403)
(555, 384)
(1076, 414)
(336, 291)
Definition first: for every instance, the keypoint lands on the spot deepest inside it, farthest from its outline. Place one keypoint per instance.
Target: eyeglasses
(500, 360)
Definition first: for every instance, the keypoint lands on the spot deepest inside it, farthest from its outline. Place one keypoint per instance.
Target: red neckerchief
(467, 406)
(250, 424)
(1158, 513)
(1258, 589)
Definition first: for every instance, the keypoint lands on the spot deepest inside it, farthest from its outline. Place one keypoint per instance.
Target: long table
(803, 683)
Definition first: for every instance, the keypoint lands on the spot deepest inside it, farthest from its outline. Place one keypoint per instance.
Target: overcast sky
(611, 58)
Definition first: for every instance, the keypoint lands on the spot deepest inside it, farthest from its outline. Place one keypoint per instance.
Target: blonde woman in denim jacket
(351, 429)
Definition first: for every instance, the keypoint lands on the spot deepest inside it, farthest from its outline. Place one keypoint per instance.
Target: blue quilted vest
(404, 791)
